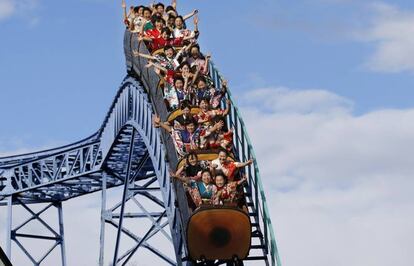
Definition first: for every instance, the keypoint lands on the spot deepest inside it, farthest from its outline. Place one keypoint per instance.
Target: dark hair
(141, 6)
(159, 19)
(159, 4)
(169, 8)
(146, 9)
(196, 46)
(190, 121)
(136, 9)
(171, 17)
(201, 78)
(178, 78)
(185, 104)
(222, 175)
(180, 17)
(206, 171)
(207, 100)
(166, 30)
(185, 63)
(168, 47)
(223, 150)
(190, 154)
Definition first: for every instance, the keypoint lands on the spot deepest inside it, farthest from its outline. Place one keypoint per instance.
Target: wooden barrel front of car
(218, 233)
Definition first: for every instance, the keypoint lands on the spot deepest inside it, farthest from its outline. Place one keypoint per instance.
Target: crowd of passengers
(198, 125)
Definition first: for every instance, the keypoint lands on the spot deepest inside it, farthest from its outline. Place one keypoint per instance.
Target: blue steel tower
(126, 151)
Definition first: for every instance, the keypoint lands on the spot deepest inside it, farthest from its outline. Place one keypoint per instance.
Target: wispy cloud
(7, 8)
(335, 182)
(339, 186)
(392, 32)
(19, 8)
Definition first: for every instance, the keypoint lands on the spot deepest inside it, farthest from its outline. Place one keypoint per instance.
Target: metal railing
(244, 151)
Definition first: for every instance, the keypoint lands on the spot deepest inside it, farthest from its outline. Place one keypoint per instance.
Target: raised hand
(219, 124)
(156, 119)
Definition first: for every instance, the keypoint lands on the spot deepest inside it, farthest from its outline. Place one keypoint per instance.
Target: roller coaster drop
(128, 151)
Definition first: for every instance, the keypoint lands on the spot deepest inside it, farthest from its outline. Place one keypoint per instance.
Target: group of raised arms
(196, 122)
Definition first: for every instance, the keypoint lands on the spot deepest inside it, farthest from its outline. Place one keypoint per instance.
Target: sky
(330, 80)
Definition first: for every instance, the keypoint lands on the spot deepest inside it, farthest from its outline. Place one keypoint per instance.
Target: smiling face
(220, 181)
(179, 84)
(169, 52)
(178, 23)
(164, 35)
(147, 14)
(201, 85)
(170, 21)
(141, 11)
(192, 160)
(186, 111)
(204, 105)
(222, 157)
(190, 127)
(160, 9)
(195, 52)
(185, 69)
(159, 24)
(206, 177)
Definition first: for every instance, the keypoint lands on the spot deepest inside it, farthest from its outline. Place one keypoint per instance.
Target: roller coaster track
(126, 151)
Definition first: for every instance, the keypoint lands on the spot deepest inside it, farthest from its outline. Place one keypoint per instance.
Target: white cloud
(22, 8)
(392, 32)
(7, 8)
(297, 101)
(339, 185)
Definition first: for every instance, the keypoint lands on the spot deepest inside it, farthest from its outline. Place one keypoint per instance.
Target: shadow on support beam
(4, 261)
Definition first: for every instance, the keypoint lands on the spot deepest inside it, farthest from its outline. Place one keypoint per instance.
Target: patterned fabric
(227, 193)
(229, 169)
(185, 141)
(170, 94)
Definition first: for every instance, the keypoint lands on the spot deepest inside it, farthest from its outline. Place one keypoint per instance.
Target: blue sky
(61, 62)
(331, 79)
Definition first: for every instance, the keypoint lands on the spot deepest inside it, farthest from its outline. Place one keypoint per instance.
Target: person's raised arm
(196, 20)
(185, 82)
(224, 86)
(174, 4)
(219, 125)
(195, 76)
(147, 56)
(242, 180)
(157, 66)
(144, 38)
(206, 62)
(157, 123)
(180, 178)
(152, 7)
(246, 163)
(227, 111)
(124, 10)
(189, 15)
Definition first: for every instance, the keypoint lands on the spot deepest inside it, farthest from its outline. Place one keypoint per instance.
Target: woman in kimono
(201, 191)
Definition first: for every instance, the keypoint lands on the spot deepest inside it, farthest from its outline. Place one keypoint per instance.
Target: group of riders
(197, 120)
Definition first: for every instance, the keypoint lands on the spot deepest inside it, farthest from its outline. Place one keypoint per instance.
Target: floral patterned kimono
(184, 141)
(202, 193)
(229, 169)
(228, 193)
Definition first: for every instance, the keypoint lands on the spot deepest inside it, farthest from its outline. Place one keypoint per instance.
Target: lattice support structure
(55, 237)
(138, 191)
(128, 152)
